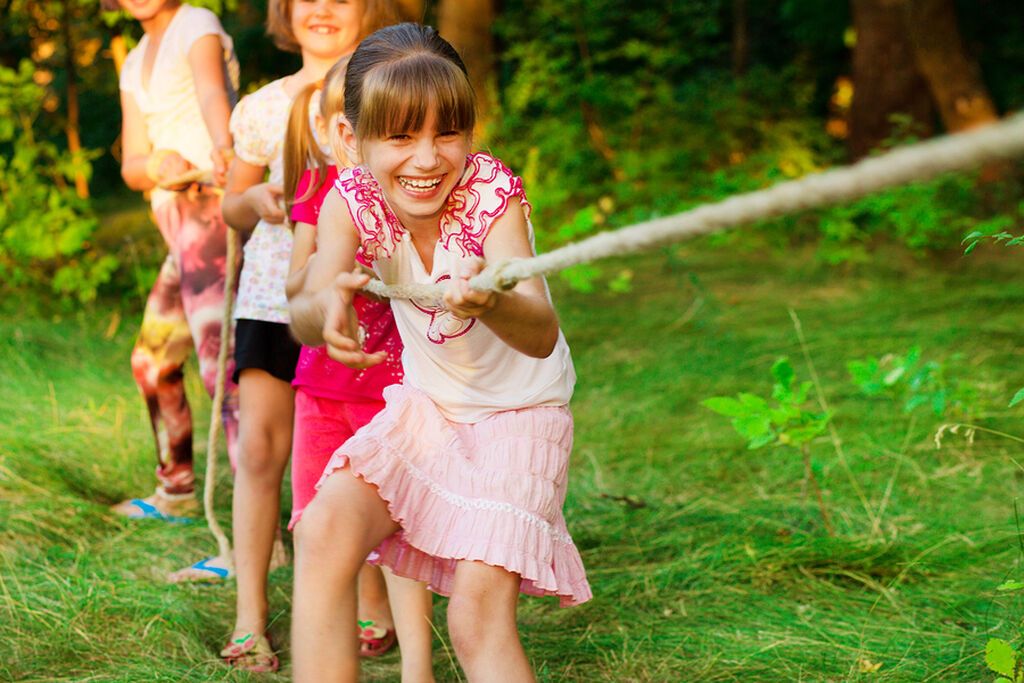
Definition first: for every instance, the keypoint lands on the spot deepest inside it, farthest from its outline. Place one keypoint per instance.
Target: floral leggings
(184, 310)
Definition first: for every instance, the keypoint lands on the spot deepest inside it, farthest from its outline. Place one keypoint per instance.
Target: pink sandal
(250, 652)
(375, 641)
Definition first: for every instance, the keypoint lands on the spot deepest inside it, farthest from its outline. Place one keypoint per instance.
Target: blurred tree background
(613, 111)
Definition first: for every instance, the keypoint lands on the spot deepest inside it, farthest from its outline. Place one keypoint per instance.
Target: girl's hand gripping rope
(341, 326)
(221, 158)
(267, 200)
(461, 299)
(165, 164)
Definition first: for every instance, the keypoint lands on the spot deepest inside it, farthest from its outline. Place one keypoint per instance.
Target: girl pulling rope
(177, 89)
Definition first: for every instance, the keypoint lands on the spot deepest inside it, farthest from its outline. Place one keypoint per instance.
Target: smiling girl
(322, 31)
(460, 480)
(177, 88)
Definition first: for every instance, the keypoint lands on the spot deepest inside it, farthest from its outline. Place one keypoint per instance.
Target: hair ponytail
(301, 150)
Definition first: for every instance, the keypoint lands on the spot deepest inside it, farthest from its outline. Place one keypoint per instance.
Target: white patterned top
(169, 105)
(463, 366)
(258, 126)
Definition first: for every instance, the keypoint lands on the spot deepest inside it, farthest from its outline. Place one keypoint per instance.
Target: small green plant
(1000, 656)
(914, 381)
(1004, 660)
(993, 230)
(785, 420)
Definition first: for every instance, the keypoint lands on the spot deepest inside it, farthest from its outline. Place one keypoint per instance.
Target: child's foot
(278, 555)
(169, 507)
(374, 640)
(250, 652)
(208, 570)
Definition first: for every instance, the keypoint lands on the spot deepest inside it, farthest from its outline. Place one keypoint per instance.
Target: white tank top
(463, 366)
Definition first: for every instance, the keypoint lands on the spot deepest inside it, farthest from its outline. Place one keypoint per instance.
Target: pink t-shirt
(319, 375)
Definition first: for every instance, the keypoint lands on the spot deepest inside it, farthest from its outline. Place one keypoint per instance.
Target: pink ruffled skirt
(490, 491)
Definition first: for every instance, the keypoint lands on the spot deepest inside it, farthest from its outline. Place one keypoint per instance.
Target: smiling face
(327, 29)
(417, 170)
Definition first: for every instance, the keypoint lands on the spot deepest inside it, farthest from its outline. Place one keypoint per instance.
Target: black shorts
(265, 346)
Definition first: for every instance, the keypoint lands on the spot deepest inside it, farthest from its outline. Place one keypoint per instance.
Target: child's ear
(348, 140)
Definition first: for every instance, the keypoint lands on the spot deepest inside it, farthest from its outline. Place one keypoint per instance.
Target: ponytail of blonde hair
(301, 148)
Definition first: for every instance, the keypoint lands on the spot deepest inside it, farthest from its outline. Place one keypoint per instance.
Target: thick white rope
(907, 164)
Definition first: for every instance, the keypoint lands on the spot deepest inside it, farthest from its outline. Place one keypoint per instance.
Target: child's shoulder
(274, 90)
(191, 23)
(259, 103)
(193, 13)
(491, 182)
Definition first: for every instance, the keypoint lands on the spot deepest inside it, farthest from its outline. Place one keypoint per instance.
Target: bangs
(397, 97)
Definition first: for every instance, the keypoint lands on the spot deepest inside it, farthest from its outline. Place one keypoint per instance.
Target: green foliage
(1004, 660)
(751, 596)
(1017, 398)
(995, 231)
(784, 420)
(45, 228)
(915, 382)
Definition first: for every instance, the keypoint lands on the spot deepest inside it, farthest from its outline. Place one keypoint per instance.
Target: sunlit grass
(707, 560)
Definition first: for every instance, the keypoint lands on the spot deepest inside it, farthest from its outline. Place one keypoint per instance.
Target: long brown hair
(399, 74)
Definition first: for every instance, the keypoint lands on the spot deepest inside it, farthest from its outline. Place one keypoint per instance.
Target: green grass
(708, 562)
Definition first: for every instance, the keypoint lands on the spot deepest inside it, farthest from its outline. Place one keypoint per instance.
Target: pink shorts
(321, 426)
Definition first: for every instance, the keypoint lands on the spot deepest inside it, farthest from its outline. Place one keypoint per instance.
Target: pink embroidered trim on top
(479, 198)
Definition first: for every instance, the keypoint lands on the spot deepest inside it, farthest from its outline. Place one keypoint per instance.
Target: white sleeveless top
(463, 366)
(169, 105)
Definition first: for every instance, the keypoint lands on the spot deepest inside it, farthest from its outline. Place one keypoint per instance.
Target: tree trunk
(466, 24)
(71, 93)
(740, 37)
(885, 77)
(953, 76)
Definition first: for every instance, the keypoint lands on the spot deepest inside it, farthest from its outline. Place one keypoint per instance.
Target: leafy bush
(915, 382)
(45, 228)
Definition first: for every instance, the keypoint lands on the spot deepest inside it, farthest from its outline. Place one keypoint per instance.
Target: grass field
(708, 562)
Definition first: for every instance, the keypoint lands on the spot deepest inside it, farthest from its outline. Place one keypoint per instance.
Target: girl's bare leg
(482, 624)
(266, 406)
(346, 520)
(412, 607)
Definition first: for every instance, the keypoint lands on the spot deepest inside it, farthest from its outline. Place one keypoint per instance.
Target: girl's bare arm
(247, 198)
(206, 57)
(336, 244)
(522, 317)
(303, 247)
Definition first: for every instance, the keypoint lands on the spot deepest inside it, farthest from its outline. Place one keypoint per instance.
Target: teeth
(417, 184)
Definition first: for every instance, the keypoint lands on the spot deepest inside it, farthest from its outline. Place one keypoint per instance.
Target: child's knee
(259, 455)
(320, 541)
(470, 619)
